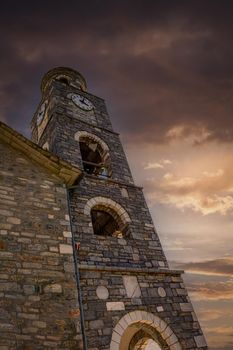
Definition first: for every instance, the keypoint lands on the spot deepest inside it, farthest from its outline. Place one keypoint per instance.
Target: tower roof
(66, 73)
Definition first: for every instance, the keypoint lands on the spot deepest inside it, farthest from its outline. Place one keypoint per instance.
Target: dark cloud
(222, 266)
(209, 280)
(160, 65)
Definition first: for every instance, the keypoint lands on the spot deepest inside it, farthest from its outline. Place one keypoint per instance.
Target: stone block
(4, 212)
(97, 324)
(200, 341)
(65, 249)
(102, 292)
(115, 305)
(131, 286)
(53, 288)
(161, 292)
(13, 220)
(67, 234)
(159, 308)
(39, 324)
(185, 307)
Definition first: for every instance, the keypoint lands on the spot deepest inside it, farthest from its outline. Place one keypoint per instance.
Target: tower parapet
(67, 76)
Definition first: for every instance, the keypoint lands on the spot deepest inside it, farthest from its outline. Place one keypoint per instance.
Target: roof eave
(64, 170)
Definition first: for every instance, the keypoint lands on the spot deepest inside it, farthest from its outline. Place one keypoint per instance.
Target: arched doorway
(142, 336)
(152, 345)
(147, 344)
(141, 330)
(146, 339)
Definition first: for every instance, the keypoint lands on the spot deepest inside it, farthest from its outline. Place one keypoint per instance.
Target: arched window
(63, 79)
(108, 217)
(95, 155)
(106, 222)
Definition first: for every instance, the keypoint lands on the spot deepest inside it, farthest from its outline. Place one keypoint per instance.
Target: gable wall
(38, 302)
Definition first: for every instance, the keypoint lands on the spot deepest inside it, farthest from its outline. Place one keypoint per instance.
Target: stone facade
(129, 294)
(38, 298)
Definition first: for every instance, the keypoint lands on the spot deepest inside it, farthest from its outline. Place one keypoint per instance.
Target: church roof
(67, 172)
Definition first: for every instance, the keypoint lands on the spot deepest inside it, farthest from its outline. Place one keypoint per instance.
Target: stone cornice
(136, 270)
(67, 172)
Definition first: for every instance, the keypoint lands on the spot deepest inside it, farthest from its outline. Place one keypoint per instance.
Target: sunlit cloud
(220, 337)
(221, 330)
(196, 134)
(211, 290)
(209, 193)
(210, 315)
(154, 166)
(158, 165)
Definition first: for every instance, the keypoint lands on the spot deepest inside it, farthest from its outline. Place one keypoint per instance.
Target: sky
(165, 69)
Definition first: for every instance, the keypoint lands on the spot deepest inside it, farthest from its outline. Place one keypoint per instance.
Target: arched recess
(126, 333)
(63, 79)
(108, 217)
(95, 154)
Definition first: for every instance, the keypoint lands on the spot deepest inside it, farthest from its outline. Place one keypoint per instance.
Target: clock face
(41, 113)
(82, 102)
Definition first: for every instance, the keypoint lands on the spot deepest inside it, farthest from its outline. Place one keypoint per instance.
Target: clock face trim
(82, 102)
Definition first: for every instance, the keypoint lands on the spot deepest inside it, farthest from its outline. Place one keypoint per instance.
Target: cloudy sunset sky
(165, 69)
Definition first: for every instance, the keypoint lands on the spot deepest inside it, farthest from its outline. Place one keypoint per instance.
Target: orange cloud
(210, 315)
(210, 192)
(211, 290)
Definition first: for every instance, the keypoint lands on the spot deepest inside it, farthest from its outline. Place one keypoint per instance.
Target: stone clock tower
(129, 298)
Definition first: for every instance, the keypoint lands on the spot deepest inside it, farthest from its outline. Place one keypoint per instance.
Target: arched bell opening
(96, 160)
(63, 79)
(107, 222)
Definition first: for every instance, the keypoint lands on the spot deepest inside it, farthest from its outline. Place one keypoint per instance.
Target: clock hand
(83, 101)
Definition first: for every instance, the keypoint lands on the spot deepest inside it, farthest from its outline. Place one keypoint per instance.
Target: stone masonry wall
(140, 248)
(38, 301)
(66, 119)
(118, 275)
(108, 295)
(63, 144)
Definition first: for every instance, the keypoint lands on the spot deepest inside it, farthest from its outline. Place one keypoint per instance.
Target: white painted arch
(121, 335)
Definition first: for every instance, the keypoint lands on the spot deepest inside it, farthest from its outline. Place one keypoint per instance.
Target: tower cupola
(65, 75)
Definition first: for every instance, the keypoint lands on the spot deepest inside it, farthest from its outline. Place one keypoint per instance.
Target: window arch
(63, 79)
(108, 217)
(95, 154)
